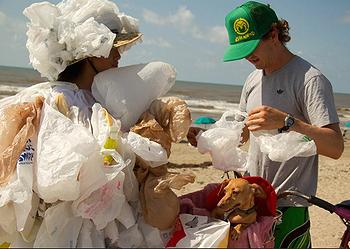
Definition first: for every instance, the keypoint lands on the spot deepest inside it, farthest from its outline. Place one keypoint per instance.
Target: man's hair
(282, 28)
(71, 73)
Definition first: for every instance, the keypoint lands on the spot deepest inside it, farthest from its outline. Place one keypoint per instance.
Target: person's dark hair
(282, 28)
(72, 71)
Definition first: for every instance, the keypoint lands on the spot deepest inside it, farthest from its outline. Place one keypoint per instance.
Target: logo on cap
(241, 26)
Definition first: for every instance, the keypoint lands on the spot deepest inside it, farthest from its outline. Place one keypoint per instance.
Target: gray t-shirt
(303, 91)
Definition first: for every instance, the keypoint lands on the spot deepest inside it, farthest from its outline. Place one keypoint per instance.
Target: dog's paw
(234, 234)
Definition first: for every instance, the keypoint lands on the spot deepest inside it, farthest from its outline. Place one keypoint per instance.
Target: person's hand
(191, 135)
(265, 118)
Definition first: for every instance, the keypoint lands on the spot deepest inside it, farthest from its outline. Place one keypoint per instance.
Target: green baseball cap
(246, 25)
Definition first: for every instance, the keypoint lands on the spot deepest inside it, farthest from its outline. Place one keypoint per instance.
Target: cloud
(159, 41)
(218, 34)
(13, 30)
(183, 20)
(346, 17)
(2, 18)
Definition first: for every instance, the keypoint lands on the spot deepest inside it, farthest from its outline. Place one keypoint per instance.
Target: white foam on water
(10, 88)
(210, 107)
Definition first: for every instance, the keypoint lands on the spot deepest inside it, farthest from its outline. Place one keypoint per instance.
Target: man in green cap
(284, 93)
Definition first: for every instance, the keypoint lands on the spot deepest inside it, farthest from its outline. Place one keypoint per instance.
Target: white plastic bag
(152, 235)
(106, 130)
(203, 232)
(127, 92)
(148, 150)
(19, 188)
(222, 141)
(107, 203)
(131, 237)
(90, 237)
(284, 146)
(60, 228)
(63, 147)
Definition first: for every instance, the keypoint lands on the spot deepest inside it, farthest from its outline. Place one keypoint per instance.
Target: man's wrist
(289, 122)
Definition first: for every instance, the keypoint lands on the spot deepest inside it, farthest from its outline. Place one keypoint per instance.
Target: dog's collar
(239, 211)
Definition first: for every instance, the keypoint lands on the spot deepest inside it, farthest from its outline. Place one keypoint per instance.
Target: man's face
(261, 58)
(264, 55)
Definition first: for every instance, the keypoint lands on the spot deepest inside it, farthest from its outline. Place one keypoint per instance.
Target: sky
(190, 34)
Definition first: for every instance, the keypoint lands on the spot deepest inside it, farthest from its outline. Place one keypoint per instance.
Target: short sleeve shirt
(302, 90)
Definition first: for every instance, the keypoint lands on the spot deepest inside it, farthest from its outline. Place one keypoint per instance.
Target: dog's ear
(222, 186)
(258, 191)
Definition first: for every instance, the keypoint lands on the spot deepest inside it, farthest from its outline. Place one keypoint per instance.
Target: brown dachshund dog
(237, 205)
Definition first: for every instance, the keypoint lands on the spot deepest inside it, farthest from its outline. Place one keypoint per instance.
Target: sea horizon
(203, 98)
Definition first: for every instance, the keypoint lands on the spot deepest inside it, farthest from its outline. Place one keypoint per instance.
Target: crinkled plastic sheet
(71, 30)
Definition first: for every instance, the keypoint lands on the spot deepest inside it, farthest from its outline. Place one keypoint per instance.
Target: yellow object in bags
(5, 245)
(111, 141)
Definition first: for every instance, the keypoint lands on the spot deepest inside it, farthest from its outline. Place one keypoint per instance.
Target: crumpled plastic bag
(150, 151)
(173, 115)
(160, 205)
(60, 228)
(284, 146)
(202, 232)
(18, 123)
(7, 223)
(19, 189)
(222, 141)
(107, 203)
(63, 147)
(114, 148)
(127, 92)
(89, 236)
(148, 127)
(131, 237)
(106, 130)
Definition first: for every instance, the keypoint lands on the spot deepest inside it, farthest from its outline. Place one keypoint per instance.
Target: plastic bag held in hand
(18, 123)
(284, 146)
(222, 142)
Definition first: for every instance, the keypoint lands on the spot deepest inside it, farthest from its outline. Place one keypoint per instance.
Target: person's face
(102, 64)
(264, 55)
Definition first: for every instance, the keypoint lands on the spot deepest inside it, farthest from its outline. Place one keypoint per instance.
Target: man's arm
(328, 139)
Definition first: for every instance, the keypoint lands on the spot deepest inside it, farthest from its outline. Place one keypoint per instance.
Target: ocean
(203, 99)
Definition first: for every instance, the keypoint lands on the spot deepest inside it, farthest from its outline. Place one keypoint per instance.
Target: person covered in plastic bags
(284, 94)
(54, 189)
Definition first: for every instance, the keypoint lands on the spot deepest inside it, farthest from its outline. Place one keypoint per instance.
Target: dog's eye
(235, 191)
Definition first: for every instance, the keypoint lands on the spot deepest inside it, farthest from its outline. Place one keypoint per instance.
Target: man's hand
(265, 118)
(191, 135)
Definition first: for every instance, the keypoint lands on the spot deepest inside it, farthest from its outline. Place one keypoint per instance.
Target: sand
(333, 186)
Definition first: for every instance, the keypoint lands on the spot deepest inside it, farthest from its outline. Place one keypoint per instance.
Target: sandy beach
(333, 186)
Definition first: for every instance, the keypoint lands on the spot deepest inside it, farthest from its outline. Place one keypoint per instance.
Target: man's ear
(258, 191)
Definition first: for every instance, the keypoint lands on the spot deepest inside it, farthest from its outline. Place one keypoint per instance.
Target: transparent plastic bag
(56, 231)
(284, 146)
(222, 141)
(127, 92)
(148, 150)
(203, 232)
(63, 148)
